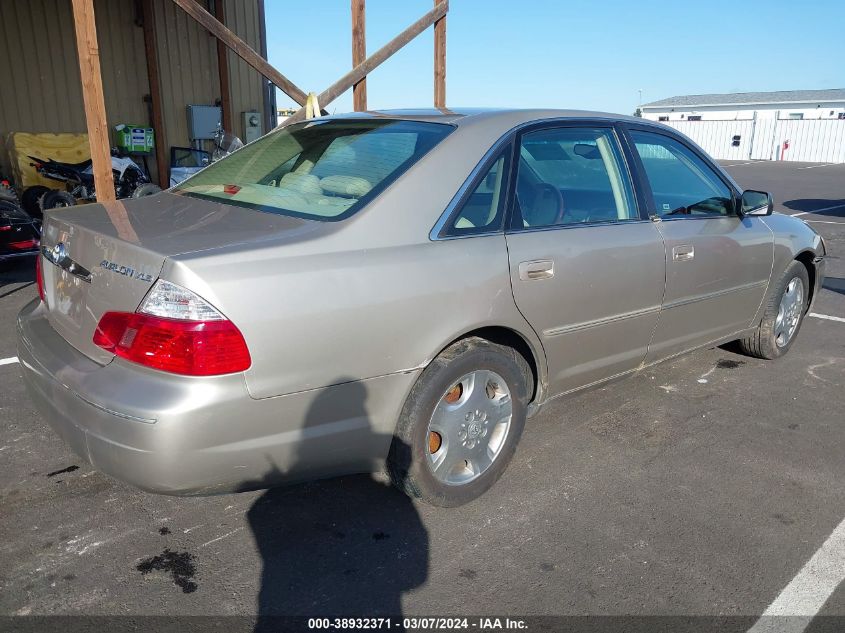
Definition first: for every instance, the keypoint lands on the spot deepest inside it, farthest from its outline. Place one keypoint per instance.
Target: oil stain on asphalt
(180, 565)
(725, 363)
(69, 469)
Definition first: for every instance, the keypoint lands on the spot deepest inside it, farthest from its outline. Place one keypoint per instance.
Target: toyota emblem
(59, 253)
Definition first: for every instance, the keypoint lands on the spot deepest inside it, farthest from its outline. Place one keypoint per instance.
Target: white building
(785, 104)
(282, 115)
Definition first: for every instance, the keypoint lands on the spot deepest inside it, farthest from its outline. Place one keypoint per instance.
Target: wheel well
(509, 338)
(806, 258)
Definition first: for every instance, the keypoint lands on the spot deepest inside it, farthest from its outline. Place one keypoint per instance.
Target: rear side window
(482, 210)
(322, 170)
(571, 176)
(682, 184)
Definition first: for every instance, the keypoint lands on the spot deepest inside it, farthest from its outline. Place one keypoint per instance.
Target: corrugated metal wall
(187, 62)
(245, 82)
(810, 140)
(42, 92)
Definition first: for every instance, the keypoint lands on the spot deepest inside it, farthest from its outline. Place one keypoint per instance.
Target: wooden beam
(380, 56)
(223, 70)
(268, 89)
(151, 50)
(440, 62)
(242, 49)
(375, 60)
(359, 53)
(92, 97)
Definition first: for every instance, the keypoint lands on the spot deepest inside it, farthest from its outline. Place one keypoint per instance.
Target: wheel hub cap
(789, 311)
(471, 422)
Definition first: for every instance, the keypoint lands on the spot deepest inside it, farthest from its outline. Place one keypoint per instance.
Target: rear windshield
(322, 170)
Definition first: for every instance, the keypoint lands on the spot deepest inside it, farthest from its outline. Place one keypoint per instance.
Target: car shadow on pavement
(834, 208)
(344, 547)
(21, 271)
(834, 284)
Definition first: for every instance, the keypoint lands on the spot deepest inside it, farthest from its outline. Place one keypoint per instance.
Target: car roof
(469, 116)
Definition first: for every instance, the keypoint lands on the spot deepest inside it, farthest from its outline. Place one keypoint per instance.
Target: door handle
(538, 269)
(683, 253)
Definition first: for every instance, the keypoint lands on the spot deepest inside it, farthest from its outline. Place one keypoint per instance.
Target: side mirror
(756, 203)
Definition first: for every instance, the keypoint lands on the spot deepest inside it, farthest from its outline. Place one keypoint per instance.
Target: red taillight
(194, 348)
(23, 245)
(39, 277)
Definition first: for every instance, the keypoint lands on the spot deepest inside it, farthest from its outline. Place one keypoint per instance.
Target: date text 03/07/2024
(419, 623)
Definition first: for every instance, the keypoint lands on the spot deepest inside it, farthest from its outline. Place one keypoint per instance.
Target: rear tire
(461, 423)
(147, 189)
(786, 306)
(31, 199)
(57, 199)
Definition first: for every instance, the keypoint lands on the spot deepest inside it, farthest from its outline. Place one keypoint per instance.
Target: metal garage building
(43, 92)
(783, 104)
(792, 125)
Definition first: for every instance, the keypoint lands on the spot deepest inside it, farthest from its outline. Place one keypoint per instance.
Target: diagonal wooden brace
(242, 49)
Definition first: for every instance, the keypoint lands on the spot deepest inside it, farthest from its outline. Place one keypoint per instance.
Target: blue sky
(570, 53)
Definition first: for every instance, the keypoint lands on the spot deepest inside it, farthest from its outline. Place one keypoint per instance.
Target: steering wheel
(545, 192)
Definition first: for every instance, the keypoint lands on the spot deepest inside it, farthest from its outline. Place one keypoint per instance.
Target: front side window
(682, 184)
(571, 176)
(322, 170)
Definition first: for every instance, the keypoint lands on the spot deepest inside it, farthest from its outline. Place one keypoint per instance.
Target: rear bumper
(13, 255)
(182, 435)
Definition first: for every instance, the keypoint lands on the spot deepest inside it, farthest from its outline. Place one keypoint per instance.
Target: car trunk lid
(105, 257)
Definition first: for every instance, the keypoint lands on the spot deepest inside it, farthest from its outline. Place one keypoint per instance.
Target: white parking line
(738, 164)
(814, 166)
(809, 590)
(8, 361)
(838, 206)
(827, 316)
(822, 222)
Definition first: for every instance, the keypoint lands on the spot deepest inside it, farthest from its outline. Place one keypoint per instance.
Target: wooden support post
(151, 50)
(375, 60)
(242, 49)
(440, 62)
(92, 96)
(223, 70)
(271, 116)
(359, 53)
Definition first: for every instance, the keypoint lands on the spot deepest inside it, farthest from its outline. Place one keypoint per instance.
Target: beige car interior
(542, 201)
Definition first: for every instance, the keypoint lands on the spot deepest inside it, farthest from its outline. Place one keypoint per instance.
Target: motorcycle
(130, 181)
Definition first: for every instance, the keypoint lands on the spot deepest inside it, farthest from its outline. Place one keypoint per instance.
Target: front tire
(786, 306)
(461, 423)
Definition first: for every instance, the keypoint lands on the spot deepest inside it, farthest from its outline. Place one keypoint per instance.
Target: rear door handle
(538, 269)
(683, 253)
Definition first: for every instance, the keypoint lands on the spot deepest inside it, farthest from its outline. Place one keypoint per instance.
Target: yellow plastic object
(65, 148)
(312, 106)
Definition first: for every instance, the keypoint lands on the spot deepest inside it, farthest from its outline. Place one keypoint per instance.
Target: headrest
(303, 183)
(352, 186)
